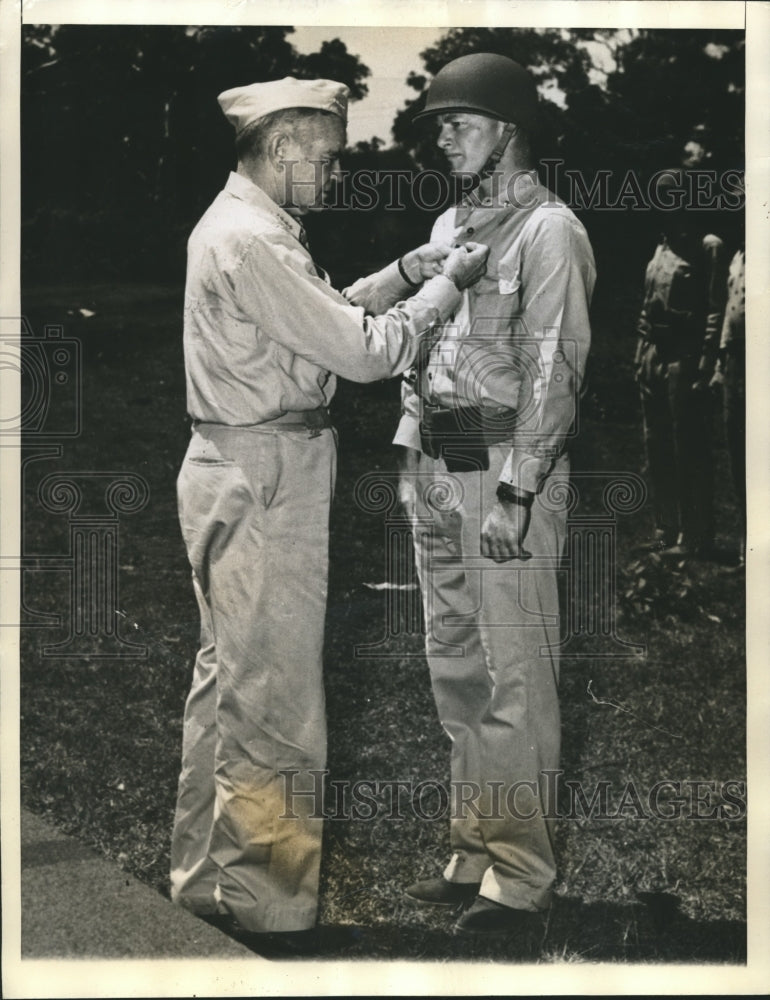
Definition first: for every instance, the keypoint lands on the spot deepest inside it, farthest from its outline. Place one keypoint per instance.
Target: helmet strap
(509, 130)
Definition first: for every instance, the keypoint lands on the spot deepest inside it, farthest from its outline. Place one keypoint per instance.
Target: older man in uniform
(264, 335)
(483, 434)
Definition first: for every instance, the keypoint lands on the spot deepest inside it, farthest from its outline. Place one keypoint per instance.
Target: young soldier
(485, 475)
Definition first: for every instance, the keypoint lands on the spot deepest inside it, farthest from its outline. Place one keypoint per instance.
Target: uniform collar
(245, 190)
(527, 197)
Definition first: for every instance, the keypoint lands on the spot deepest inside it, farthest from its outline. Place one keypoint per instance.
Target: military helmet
(484, 84)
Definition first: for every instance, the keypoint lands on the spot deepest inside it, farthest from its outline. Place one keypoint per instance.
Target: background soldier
(731, 375)
(485, 422)
(678, 329)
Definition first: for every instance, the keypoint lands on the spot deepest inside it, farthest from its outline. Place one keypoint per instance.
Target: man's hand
(504, 531)
(466, 264)
(425, 262)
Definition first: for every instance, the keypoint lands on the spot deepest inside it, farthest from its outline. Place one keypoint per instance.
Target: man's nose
(442, 139)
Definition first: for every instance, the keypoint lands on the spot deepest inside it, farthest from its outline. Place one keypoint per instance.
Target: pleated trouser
(677, 437)
(254, 511)
(492, 649)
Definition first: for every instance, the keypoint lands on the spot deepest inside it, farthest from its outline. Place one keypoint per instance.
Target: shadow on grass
(651, 930)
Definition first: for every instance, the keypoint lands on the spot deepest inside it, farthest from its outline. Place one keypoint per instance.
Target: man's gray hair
(252, 143)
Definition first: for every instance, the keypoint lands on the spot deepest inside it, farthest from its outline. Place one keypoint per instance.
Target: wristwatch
(405, 276)
(508, 494)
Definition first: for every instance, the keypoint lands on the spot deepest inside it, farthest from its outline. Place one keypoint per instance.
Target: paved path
(77, 904)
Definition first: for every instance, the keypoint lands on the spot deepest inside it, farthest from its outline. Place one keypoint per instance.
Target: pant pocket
(204, 451)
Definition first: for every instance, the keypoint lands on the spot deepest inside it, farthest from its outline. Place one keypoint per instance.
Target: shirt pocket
(491, 285)
(509, 272)
(509, 285)
(682, 293)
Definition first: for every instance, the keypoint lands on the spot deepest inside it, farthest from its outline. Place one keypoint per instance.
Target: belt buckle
(315, 421)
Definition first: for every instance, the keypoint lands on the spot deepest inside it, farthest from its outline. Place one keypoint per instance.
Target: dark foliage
(124, 145)
(123, 141)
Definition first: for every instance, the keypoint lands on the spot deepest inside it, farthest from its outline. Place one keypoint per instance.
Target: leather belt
(312, 420)
(293, 420)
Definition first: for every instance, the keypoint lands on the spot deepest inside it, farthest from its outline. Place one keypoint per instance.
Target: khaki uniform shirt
(683, 304)
(521, 334)
(264, 331)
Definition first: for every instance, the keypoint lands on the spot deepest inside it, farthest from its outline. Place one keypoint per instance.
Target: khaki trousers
(492, 635)
(677, 437)
(254, 511)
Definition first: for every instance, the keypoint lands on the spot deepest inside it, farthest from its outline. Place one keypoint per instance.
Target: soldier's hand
(466, 264)
(504, 531)
(426, 261)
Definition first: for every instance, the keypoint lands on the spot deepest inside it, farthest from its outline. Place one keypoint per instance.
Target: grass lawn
(101, 737)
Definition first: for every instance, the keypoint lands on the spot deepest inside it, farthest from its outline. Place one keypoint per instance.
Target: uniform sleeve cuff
(392, 280)
(408, 432)
(524, 471)
(380, 291)
(442, 293)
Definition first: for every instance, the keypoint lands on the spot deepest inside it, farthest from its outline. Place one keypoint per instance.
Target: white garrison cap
(244, 105)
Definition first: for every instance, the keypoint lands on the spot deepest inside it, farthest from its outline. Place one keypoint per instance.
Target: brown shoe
(488, 919)
(440, 892)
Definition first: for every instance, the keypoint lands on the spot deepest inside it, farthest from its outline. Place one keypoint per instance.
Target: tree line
(124, 144)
